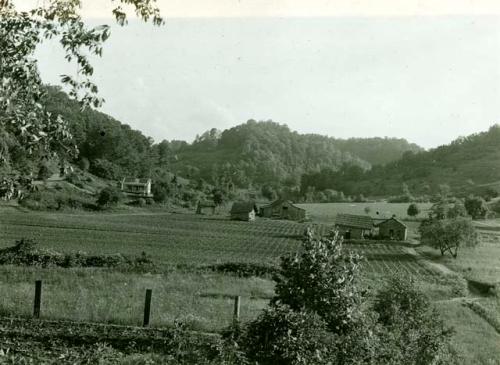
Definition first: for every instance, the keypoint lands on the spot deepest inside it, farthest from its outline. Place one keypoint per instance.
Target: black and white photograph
(250, 182)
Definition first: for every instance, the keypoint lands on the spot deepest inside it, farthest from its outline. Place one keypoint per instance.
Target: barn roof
(351, 220)
(392, 219)
(280, 201)
(243, 207)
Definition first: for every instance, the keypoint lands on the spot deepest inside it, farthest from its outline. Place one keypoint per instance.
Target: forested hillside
(467, 165)
(251, 154)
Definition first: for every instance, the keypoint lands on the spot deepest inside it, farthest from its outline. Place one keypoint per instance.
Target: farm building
(353, 226)
(202, 204)
(136, 187)
(243, 211)
(393, 229)
(283, 209)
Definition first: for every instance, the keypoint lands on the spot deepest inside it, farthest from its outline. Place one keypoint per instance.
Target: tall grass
(204, 301)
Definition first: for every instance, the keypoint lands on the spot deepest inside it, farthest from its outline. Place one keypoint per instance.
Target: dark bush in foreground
(284, 336)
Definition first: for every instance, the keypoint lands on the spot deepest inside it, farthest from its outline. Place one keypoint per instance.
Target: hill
(467, 165)
(251, 154)
(266, 152)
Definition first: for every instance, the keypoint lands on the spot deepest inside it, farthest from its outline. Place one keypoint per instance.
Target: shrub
(411, 332)
(44, 172)
(109, 196)
(322, 279)
(283, 336)
(84, 164)
(476, 207)
(243, 269)
(413, 210)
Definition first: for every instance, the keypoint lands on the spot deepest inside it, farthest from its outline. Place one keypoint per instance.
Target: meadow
(326, 212)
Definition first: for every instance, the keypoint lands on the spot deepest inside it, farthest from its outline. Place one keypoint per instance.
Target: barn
(243, 211)
(352, 226)
(136, 187)
(393, 229)
(283, 209)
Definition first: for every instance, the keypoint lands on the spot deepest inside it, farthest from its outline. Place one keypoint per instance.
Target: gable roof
(136, 181)
(243, 207)
(280, 201)
(392, 219)
(351, 220)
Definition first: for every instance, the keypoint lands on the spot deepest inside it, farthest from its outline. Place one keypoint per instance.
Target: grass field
(326, 212)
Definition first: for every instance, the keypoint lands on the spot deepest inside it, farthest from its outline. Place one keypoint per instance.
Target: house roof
(243, 207)
(351, 220)
(136, 181)
(392, 219)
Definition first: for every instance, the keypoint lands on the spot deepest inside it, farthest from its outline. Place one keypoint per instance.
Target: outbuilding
(393, 229)
(352, 226)
(283, 209)
(243, 211)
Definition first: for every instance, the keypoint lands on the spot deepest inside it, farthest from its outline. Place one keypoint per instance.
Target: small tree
(109, 196)
(322, 279)
(476, 207)
(218, 197)
(448, 235)
(413, 210)
(368, 210)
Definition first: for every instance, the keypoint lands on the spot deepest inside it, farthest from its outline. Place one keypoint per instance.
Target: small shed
(137, 187)
(202, 204)
(283, 209)
(352, 226)
(243, 211)
(393, 229)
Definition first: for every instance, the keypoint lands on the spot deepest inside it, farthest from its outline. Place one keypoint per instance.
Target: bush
(413, 210)
(411, 331)
(84, 164)
(245, 270)
(109, 196)
(322, 279)
(283, 336)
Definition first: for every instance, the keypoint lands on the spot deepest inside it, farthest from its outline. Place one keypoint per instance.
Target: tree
(413, 210)
(448, 235)
(23, 117)
(368, 210)
(476, 207)
(447, 209)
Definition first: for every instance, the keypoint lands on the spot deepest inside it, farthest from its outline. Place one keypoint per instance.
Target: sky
(422, 72)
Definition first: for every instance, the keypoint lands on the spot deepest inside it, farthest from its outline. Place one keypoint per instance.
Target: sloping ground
(475, 341)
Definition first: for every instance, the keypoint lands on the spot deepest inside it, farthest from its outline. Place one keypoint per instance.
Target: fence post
(236, 313)
(147, 307)
(38, 298)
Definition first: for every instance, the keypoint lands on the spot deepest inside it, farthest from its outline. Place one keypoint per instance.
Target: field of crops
(169, 238)
(187, 239)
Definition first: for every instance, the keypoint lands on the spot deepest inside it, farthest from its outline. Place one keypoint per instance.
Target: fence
(147, 305)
